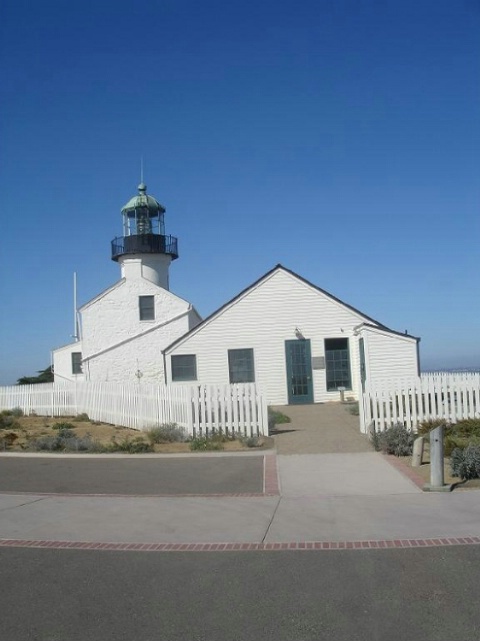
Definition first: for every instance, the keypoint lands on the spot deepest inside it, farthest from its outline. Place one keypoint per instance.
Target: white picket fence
(201, 409)
(445, 395)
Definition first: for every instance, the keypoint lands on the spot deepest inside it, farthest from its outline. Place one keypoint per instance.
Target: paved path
(163, 475)
(324, 428)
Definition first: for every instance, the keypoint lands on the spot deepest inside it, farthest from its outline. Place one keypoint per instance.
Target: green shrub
(276, 418)
(468, 427)
(167, 433)
(17, 412)
(63, 426)
(425, 427)
(83, 417)
(397, 440)
(205, 443)
(136, 445)
(8, 422)
(451, 442)
(465, 463)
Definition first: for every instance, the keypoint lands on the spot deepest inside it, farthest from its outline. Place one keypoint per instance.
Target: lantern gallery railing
(145, 244)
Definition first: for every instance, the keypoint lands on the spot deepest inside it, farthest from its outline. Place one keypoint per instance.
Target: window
(146, 305)
(184, 367)
(77, 363)
(337, 361)
(240, 366)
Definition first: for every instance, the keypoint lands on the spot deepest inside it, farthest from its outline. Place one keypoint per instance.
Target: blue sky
(339, 138)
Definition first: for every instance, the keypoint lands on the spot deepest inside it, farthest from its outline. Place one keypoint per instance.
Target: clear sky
(340, 138)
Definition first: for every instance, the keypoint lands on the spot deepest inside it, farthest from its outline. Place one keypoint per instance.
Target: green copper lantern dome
(143, 200)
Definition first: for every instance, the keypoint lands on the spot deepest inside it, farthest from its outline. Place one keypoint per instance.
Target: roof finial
(141, 169)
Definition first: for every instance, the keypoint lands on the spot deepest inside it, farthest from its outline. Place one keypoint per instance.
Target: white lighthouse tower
(126, 327)
(145, 250)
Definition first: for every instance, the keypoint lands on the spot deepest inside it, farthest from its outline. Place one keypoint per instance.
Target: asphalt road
(427, 594)
(206, 475)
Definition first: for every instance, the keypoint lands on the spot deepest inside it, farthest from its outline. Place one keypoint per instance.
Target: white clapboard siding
(200, 409)
(389, 355)
(443, 395)
(262, 319)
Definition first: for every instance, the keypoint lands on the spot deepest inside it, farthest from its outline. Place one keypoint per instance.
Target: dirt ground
(424, 472)
(31, 427)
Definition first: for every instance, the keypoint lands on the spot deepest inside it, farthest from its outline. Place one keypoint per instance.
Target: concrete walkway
(321, 452)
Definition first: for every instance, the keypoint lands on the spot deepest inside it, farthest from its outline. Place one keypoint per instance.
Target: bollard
(417, 456)
(437, 478)
(342, 394)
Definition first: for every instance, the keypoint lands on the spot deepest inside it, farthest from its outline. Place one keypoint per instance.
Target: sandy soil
(29, 427)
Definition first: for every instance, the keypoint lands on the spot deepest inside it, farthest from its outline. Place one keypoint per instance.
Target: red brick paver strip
(246, 547)
(405, 470)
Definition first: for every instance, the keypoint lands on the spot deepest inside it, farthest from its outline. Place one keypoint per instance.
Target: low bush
(7, 439)
(468, 427)
(166, 433)
(425, 427)
(451, 442)
(397, 440)
(83, 417)
(65, 442)
(63, 426)
(8, 421)
(276, 418)
(136, 445)
(17, 412)
(205, 443)
(252, 441)
(465, 463)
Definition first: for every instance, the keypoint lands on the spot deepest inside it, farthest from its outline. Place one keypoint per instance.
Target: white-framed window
(77, 363)
(241, 367)
(184, 367)
(146, 307)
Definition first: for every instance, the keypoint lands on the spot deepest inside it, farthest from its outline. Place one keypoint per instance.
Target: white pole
(75, 322)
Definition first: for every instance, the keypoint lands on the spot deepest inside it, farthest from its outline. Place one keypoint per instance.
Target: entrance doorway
(298, 357)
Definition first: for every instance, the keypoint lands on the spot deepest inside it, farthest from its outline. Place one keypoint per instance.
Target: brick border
(271, 485)
(243, 547)
(409, 472)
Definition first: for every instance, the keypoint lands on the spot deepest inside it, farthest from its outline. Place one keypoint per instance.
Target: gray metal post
(437, 478)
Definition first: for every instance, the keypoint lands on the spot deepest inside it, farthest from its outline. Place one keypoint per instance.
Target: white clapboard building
(299, 343)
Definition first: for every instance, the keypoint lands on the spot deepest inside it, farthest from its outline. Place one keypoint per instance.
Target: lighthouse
(144, 250)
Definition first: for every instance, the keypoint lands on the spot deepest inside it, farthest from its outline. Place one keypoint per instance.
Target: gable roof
(367, 319)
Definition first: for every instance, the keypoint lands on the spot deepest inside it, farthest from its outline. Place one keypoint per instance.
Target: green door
(363, 370)
(299, 371)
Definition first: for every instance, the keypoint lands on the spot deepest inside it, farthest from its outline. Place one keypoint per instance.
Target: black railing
(145, 244)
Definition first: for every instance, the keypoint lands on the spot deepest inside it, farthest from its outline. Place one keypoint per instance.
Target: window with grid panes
(240, 366)
(184, 367)
(337, 364)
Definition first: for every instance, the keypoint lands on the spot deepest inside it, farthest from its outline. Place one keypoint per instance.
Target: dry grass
(31, 427)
